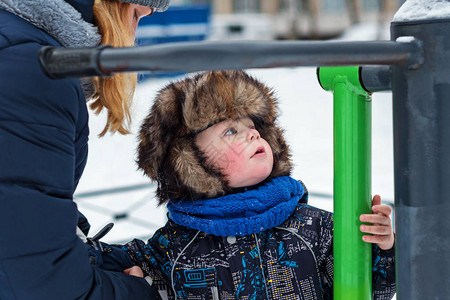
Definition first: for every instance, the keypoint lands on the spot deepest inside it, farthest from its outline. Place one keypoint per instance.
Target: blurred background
(262, 19)
(113, 190)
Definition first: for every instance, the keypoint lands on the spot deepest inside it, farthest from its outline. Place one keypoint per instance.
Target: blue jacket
(43, 151)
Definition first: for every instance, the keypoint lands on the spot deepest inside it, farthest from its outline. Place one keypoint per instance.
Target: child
(239, 227)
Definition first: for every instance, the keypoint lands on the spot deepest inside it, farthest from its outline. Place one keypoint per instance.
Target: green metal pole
(352, 181)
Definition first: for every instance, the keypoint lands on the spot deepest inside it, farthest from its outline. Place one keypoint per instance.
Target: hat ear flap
(157, 132)
(185, 157)
(282, 164)
(149, 156)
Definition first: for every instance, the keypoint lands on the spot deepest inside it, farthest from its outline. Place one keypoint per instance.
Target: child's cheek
(233, 159)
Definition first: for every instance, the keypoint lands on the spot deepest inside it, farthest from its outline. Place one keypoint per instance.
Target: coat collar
(58, 19)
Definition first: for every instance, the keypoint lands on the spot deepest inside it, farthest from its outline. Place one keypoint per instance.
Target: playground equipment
(415, 62)
(352, 180)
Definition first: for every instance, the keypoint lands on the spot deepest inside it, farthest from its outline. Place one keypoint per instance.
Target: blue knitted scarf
(245, 213)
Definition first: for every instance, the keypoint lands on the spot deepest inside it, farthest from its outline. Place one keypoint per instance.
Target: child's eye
(230, 131)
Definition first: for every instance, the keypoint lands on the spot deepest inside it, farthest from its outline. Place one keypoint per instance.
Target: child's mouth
(260, 151)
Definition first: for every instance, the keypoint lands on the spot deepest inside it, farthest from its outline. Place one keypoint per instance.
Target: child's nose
(252, 134)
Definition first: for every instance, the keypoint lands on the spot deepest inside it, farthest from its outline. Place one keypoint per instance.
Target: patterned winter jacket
(291, 261)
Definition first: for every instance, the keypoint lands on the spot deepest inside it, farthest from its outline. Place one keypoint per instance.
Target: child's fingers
(384, 242)
(380, 232)
(376, 219)
(376, 200)
(376, 229)
(134, 271)
(382, 209)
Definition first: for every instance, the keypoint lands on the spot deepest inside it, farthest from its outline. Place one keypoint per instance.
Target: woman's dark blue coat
(43, 151)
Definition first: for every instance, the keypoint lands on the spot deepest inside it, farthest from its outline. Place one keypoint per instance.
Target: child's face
(236, 148)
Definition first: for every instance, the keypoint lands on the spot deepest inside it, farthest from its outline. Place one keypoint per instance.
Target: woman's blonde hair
(114, 93)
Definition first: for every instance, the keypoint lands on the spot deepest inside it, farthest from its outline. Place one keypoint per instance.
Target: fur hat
(167, 152)
(159, 5)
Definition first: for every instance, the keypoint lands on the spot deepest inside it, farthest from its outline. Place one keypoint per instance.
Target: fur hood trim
(61, 21)
(57, 18)
(167, 152)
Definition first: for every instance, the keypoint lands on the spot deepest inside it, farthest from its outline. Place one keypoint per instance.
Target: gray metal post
(422, 164)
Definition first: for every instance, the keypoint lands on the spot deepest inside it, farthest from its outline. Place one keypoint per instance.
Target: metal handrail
(199, 56)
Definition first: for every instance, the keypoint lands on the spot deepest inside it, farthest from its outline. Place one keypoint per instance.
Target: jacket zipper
(261, 265)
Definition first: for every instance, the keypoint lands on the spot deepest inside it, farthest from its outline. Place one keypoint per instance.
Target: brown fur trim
(192, 174)
(167, 152)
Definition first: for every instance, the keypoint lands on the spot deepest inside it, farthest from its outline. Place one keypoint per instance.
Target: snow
(306, 113)
(414, 10)
(367, 31)
(405, 39)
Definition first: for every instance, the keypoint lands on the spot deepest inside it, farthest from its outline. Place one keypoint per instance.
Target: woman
(43, 145)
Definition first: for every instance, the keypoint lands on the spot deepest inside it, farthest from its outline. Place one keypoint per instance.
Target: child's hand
(134, 271)
(381, 230)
